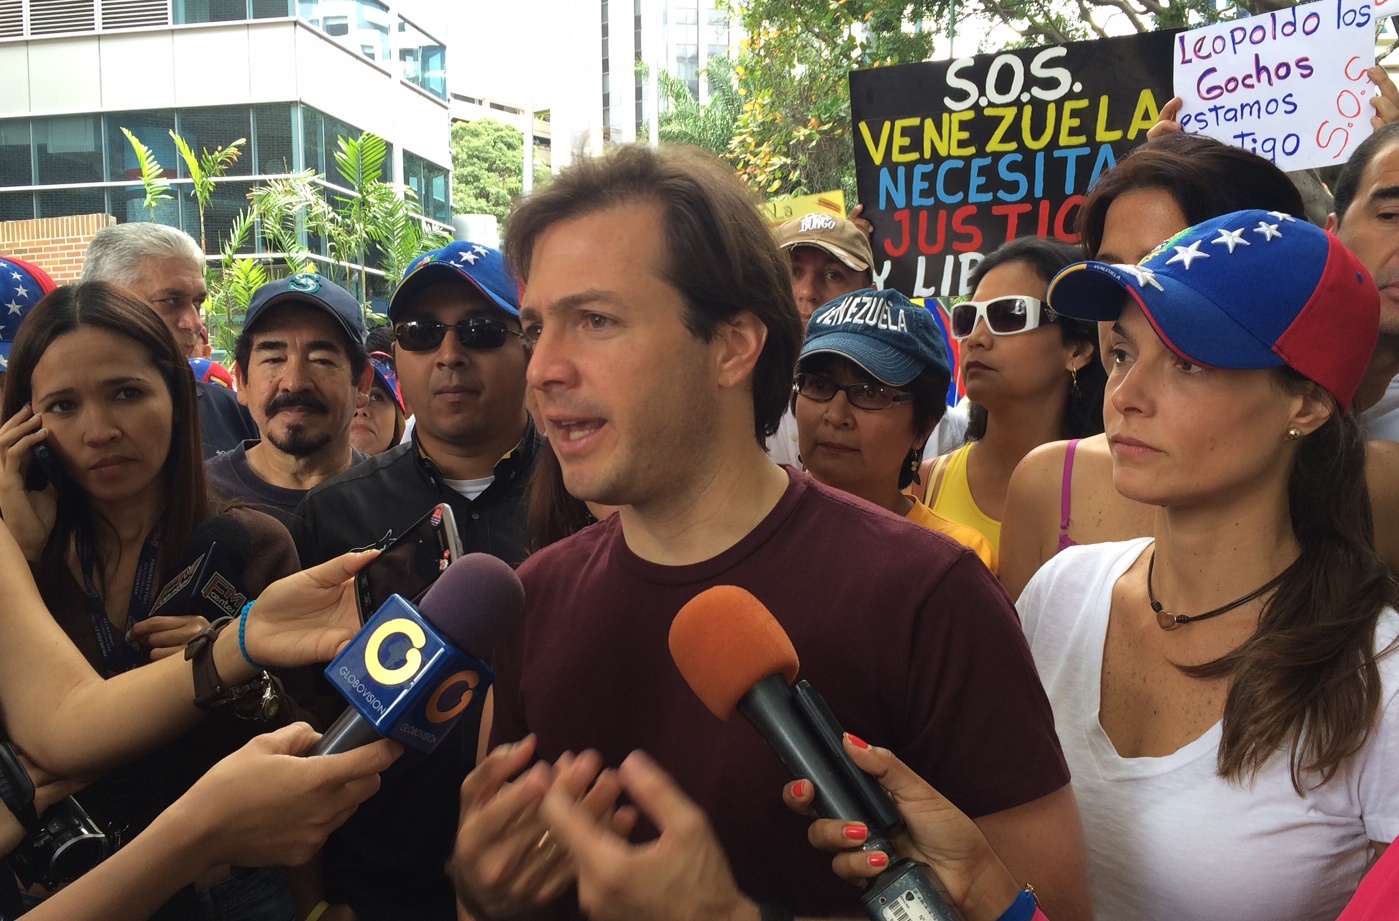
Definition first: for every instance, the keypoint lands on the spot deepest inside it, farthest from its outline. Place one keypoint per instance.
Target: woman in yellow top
(871, 380)
(1032, 377)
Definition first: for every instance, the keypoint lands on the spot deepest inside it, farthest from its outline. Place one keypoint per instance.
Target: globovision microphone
(739, 660)
(210, 583)
(411, 673)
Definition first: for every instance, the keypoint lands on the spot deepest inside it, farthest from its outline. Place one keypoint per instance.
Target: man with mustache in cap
(302, 369)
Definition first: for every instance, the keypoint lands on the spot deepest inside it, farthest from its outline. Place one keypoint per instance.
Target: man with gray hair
(165, 267)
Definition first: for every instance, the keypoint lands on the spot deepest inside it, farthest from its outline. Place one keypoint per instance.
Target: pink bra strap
(1066, 491)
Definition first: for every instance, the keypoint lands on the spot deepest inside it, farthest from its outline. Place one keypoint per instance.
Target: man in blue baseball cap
(302, 368)
(460, 358)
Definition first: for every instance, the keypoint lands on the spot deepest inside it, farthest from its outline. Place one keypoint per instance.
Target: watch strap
(258, 699)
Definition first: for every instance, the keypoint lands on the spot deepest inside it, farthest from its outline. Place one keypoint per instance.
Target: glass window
(69, 149)
(687, 66)
(313, 139)
(16, 157)
(207, 129)
(228, 200)
(272, 139)
(68, 202)
(210, 10)
(362, 25)
(423, 59)
(271, 9)
(16, 206)
(152, 129)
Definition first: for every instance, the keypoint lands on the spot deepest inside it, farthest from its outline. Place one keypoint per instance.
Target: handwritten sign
(1289, 85)
(782, 210)
(954, 158)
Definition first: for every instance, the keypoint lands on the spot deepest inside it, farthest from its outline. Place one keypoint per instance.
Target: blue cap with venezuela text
(482, 267)
(1247, 290)
(892, 338)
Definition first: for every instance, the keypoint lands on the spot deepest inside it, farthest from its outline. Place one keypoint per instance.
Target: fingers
(166, 634)
(1167, 122)
(655, 792)
(1386, 101)
(333, 572)
(799, 795)
(893, 775)
(360, 767)
(503, 763)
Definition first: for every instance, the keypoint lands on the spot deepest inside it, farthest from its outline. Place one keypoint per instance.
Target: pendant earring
(915, 459)
(1294, 433)
(1073, 381)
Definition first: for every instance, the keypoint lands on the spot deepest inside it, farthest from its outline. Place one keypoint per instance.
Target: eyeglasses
(477, 333)
(1004, 316)
(821, 389)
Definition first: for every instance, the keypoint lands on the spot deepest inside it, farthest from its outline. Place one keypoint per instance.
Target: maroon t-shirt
(905, 633)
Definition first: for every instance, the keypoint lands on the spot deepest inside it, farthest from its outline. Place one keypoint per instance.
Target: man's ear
(240, 384)
(738, 342)
(1332, 222)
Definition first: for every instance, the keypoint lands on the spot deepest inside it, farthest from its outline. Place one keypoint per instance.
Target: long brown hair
(113, 309)
(1307, 681)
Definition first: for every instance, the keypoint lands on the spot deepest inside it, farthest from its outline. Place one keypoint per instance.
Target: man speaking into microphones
(664, 334)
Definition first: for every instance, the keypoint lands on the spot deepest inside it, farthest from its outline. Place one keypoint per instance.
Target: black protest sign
(954, 158)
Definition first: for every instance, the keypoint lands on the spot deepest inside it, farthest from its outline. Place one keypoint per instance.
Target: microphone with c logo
(410, 673)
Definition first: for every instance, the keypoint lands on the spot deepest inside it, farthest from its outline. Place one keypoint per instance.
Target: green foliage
(487, 167)
(203, 170)
(685, 120)
(793, 134)
(152, 174)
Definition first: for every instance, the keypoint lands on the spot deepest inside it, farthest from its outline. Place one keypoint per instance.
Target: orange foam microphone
(738, 660)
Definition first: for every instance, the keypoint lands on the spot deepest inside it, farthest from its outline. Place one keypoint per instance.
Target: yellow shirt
(949, 496)
(968, 537)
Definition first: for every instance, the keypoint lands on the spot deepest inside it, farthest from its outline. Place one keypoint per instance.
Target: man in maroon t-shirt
(664, 339)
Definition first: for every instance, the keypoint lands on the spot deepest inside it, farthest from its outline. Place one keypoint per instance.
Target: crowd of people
(1119, 630)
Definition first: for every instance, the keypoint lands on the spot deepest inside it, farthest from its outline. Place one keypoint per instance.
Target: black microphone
(738, 660)
(209, 583)
(411, 673)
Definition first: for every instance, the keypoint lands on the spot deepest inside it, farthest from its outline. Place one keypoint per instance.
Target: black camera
(62, 844)
(65, 844)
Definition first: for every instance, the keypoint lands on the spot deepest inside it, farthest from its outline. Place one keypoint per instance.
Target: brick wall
(54, 244)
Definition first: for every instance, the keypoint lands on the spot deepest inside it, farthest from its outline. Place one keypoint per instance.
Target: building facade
(288, 76)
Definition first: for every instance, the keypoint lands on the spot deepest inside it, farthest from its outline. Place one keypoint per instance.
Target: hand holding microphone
(738, 660)
(411, 673)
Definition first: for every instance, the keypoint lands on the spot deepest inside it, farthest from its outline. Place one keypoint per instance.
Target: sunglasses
(477, 333)
(821, 389)
(1004, 316)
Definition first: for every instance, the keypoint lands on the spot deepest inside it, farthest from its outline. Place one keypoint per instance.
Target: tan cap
(837, 236)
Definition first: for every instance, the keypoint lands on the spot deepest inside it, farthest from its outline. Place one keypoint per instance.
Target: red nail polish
(878, 861)
(856, 832)
(799, 789)
(856, 740)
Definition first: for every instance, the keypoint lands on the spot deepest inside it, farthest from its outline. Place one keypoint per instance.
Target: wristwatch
(16, 788)
(258, 699)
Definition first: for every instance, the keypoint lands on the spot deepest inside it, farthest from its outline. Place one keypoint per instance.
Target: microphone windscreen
(474, 602)
(232, 537)
(724, 641)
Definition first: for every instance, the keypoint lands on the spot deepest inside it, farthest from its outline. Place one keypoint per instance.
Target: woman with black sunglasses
(1032, 378)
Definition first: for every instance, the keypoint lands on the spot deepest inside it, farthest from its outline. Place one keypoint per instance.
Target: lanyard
(118, 656)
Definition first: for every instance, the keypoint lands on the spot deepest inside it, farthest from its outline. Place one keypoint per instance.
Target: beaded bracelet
(243, 636)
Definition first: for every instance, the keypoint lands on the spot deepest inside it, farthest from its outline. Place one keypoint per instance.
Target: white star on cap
(465, 256)
(21, 290)
(1282, 215)
(479, 249)
(1188, 254)
(16, 276)
(15, 307)
(1231, 238)
(1144, 276)
(1269, 231)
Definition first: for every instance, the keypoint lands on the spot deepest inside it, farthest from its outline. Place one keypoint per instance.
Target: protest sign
(954, 158)
(1289, 85)
(782, 210)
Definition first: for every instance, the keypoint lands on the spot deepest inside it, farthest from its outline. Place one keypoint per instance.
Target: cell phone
(44, 469)
(410, 563)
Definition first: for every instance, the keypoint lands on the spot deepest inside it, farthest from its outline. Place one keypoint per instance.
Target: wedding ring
(547, 846)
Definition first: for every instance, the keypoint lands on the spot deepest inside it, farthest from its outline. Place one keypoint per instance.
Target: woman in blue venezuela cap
(1225, 684)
